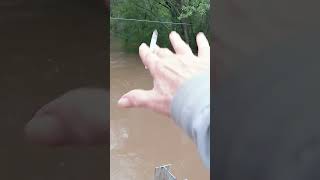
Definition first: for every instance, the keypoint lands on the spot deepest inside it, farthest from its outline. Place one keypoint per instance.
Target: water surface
(140, 139)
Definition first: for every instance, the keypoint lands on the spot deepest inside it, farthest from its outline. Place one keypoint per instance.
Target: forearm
(191, 111)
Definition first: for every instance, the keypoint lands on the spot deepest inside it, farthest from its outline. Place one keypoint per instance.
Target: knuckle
(158, 67)
(159, 52)
(148, 58)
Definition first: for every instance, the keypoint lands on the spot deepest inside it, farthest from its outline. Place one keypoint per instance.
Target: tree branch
(152, 14)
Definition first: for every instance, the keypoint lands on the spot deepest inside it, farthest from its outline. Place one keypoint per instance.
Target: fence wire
(149, 21)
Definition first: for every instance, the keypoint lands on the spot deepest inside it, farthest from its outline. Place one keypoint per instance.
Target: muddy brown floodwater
(140, 139)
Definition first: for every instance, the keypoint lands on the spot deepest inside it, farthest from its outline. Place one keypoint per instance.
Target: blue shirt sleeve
(190, 109)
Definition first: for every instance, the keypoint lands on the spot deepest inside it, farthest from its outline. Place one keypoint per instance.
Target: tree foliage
(194, 8)
(133, 33)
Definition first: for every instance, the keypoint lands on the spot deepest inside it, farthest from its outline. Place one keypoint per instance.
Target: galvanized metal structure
(163, 173)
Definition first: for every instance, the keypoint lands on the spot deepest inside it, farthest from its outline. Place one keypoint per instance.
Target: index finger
(148, 58)
(178, 44)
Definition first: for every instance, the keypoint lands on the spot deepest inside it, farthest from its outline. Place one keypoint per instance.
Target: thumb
(136, 98)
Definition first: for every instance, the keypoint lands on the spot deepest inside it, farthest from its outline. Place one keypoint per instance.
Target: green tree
(194, 13)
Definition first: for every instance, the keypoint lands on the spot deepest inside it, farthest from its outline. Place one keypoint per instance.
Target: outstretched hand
(169, 71)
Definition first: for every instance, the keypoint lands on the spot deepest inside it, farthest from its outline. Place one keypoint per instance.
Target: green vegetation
(193, 12)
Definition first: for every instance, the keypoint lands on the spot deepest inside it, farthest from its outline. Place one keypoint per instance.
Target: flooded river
(140, 139)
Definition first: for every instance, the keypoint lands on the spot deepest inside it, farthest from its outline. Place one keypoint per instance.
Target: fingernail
(172, 34)
(143, 45)
(201, 34)
(124, 102)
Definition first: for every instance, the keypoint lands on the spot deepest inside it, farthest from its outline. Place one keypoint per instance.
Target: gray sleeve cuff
(190, 110)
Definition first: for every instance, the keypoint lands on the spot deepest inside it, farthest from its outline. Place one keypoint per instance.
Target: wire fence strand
(149, 21)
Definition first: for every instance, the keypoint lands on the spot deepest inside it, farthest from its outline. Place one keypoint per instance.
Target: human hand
(169, 71)
(79, 117)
